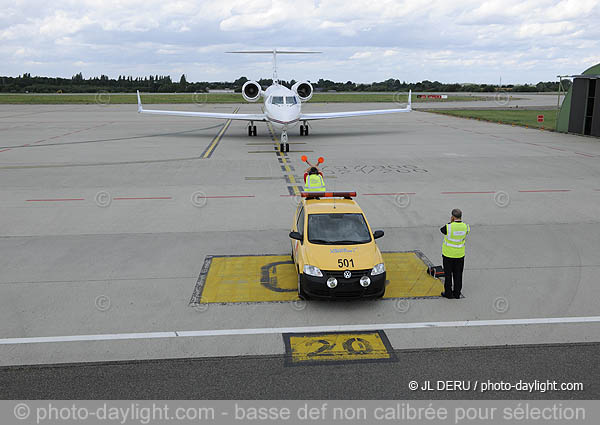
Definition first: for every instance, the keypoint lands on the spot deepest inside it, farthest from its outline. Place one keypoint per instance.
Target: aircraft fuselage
(282, 107)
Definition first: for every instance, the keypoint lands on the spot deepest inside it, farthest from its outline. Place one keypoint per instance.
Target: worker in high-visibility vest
(453, 253)
(314, 181)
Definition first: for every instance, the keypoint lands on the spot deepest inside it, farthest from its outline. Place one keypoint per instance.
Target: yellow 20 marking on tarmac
(213, 144)
(271, 278)
(337, 347)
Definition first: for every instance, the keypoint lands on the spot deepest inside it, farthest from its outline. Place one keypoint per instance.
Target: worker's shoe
(457, 296)
(449, 296)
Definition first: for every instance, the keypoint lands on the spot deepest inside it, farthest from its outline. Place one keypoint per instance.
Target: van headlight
(312, 271)
(378, 269)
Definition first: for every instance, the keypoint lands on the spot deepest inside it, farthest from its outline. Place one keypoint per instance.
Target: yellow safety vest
(454, 240)
(314, 183)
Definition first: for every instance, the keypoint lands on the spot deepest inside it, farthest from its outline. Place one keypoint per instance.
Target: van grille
(339, 274)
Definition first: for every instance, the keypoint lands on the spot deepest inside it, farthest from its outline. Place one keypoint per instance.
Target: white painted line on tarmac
(301, 329)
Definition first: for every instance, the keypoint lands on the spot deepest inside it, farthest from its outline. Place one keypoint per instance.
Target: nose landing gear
(251, 129)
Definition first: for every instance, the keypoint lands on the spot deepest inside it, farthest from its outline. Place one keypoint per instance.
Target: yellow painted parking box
(248, 278)
(408, 277)
(336, 347)
(273, 278)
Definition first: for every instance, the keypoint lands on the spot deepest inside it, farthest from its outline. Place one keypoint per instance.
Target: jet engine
(251, 91)
(304, 90)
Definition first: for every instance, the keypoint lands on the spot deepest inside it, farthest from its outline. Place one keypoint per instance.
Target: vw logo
(347, 274)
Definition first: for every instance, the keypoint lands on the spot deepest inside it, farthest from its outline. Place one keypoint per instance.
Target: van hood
(325, 257)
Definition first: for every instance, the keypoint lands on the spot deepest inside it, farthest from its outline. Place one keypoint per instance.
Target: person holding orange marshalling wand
(313, 178)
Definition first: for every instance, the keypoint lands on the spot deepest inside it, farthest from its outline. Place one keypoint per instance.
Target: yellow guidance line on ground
(291, 179)
(213, 144)
(283, 158)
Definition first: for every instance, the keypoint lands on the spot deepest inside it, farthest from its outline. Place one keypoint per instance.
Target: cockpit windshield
(290, 100)
(277, 100)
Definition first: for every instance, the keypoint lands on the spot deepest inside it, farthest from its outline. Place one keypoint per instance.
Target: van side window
(300, 223)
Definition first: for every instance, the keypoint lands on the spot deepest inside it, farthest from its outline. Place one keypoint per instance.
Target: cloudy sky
(451, 41)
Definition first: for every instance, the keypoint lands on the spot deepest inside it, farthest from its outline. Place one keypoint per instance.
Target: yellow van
(334, 249)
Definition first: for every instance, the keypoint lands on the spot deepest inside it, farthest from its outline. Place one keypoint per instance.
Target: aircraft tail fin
(275, 52)
(140, 108)
(270, 52)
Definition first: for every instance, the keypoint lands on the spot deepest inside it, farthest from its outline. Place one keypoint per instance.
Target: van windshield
(338, 229)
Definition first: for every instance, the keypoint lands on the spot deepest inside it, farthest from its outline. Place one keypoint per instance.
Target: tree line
(163, 84)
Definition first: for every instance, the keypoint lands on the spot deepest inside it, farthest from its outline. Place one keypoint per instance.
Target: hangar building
(580, 111)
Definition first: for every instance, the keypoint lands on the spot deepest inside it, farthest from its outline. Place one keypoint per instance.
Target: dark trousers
(453, 271)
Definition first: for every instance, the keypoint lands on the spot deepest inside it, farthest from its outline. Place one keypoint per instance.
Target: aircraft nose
(290, 114)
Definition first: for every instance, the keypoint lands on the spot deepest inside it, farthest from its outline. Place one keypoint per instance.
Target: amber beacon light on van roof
(310, 195)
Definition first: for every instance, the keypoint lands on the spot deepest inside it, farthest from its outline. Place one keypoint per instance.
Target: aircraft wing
(330, 115)
(241, 117)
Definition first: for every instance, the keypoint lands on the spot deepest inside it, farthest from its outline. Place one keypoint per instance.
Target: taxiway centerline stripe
(207, 152)
(302, 329)
(55, 137)
(464, 193)
(149, 197)
(213, 144)
(55, 200)
(389, 194)
(544, 190)
(282, 157)
(227, 196)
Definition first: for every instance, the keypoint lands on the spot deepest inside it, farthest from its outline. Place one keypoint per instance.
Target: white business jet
(282, 106)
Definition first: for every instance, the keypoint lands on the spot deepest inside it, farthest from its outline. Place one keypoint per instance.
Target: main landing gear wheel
(251, 130)
(303, 130)
(284, 146)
